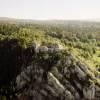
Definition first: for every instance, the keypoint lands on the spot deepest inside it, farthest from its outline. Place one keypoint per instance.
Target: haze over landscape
(51, 9)
(49, 49)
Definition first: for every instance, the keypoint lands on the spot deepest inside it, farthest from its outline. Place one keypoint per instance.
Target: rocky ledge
(48, 73)
(57, 76)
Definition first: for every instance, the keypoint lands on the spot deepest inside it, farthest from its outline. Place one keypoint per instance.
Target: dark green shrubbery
(10, 60)
(13, 57)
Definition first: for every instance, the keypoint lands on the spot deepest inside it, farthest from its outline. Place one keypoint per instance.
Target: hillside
(58, 60)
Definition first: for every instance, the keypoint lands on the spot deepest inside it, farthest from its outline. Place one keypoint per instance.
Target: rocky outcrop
(58, 77)
(45, 73)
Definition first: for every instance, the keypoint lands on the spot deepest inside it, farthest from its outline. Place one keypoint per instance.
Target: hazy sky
(50, 9)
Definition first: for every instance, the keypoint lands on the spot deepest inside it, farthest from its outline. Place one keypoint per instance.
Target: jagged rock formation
(56, 75)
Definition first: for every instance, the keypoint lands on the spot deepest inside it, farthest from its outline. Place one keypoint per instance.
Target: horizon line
(47, 19)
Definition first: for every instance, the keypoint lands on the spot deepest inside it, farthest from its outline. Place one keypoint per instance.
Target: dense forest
(82, 38)
(17, 37)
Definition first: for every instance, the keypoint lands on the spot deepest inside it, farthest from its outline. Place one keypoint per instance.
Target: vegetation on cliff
(60, 51)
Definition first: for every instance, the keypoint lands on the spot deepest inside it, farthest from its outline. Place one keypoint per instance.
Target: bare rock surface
(57, 78)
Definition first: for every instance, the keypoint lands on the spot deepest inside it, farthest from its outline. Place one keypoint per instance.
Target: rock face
(54, 76)
(45, 73)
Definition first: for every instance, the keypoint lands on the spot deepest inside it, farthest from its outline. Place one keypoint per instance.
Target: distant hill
(65, 23)
(49, 21)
